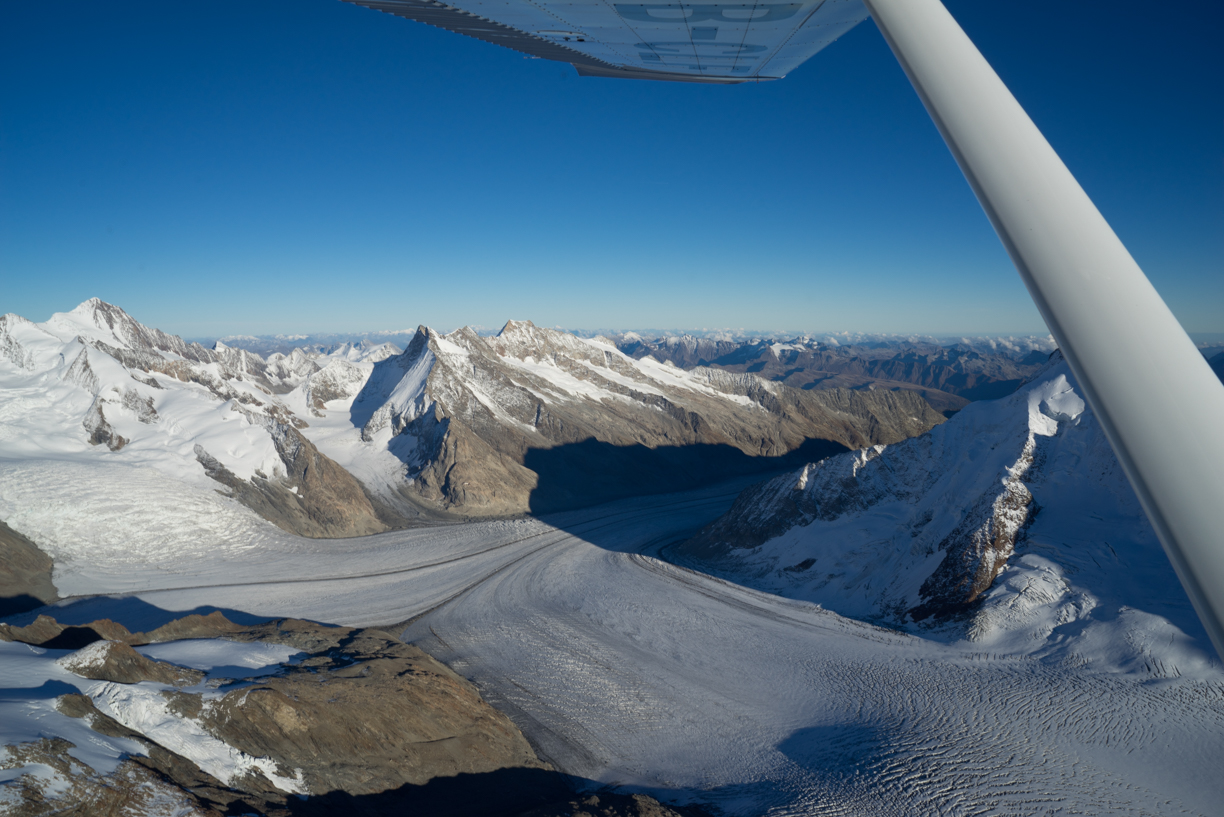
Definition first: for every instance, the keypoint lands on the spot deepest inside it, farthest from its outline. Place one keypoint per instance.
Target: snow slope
(66, 394)
(1085, 687)
(1011, 526)
(33, 679)
(468, 417)
(625, 669)
(360, 437)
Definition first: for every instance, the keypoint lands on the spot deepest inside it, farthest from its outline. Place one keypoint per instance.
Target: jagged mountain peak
(106, 391)
(98, 322)
(512, 326)
(92, 306)
(1011, 524)
(109, 317)
(523, 340)
(454, 422)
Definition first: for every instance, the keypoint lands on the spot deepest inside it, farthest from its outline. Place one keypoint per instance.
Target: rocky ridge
(355, 721)
(365, 438)
(25, 574)
(149, 397)
(949, 376)
(539, 419)
(923, 529)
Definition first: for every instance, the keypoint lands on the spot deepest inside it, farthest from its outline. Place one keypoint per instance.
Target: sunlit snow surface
(32, 679)
(222, 659)
(627, 670)
(624, 669)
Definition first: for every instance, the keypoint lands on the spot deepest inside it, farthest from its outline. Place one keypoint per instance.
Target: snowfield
(625, 669)
(33, 678)
(1081, 684)
(1024, 490)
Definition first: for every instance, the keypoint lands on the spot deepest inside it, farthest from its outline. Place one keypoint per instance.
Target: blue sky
(260, 166)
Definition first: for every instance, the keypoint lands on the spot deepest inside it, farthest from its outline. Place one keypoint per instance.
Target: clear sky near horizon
(263, 166)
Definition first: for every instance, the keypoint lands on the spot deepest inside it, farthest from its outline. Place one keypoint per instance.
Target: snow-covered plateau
(1074, 681)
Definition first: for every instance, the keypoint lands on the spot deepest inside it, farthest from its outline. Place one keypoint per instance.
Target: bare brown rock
(213, 625)
(116, 661)
(539, 420)
(372, 726)
(978, 549)
(367, 715)
(315, 497)
(47, 632)
(197, 789)
(362, 715)
(77, 790)
(25, 574)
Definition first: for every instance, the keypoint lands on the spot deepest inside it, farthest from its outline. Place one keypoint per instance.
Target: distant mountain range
(948, 376)
(356, 438)
(318, 343)
(948, 373)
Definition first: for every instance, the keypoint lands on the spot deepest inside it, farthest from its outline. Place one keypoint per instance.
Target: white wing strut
(1156, 398)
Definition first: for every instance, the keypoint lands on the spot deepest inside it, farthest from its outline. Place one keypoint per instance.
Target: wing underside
(689, 42)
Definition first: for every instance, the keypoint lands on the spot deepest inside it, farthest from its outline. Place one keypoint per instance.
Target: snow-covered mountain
(322, 344)
(1012, 525)
(539, 419)
(93, 385)
(360, 437)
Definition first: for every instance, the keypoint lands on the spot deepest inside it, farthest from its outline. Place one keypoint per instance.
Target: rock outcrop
(25, 574)
(537, 419)
(366, 438)
(312, 496)
(355, 722)
(355, 712)
(116, 661)
(904, 532)
(45, 631)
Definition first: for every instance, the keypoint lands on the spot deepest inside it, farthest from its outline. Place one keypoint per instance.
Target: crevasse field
(624, 669)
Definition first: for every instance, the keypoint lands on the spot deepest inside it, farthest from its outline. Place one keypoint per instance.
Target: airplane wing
(689, 42)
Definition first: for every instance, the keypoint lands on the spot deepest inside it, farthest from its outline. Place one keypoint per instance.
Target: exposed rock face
(978, 549)
(178, 399)
(116, 661)
(356, 714)
(11, 348)
(313, 497)
(906, 531)
(134, 789)
(536, 419)
(365, 438)
(686, 351)
(100, 431)
(339, 380)
(45, 631)
(319, 717)
(25, 574)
